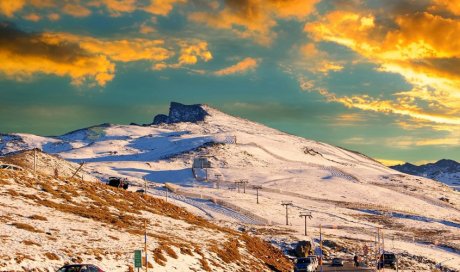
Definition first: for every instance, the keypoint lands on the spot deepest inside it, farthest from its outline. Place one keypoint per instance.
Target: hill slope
(48, 221)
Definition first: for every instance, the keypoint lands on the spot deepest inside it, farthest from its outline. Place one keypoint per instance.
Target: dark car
(337, 262)
(118, 182)
(304, 265)
(80, 268)
(387, 260)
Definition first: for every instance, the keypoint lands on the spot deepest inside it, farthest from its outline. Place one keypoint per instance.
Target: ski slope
(336, 184)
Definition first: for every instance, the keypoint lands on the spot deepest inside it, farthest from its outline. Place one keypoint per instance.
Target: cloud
(315, 60)
(401, 106)
(190, 53)
(162, 7)
(75, 10)
(243, 66)
(411, 41)
(86, 58)
(446, 5)
(23, 55)
(117, 50)
(389, 162)
(34, 17)
(254, 18)
(9, 7)
(83, 8)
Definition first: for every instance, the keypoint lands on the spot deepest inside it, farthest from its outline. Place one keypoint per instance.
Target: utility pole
(237, 183)
(305, 215)
(218, 180)
(287, 204)
(145, 245)
(257, 188)
(383, 250)
(244, 182)
(35, 160)
(321, 246)
(378, 246)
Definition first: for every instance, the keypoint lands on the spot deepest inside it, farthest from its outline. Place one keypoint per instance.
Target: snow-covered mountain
(447, 171)
(348, 193)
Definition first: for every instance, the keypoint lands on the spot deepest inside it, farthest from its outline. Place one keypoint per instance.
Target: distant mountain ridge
(447, 171)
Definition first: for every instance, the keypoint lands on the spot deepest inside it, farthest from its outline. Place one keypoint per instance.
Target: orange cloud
(116, 50)
(446, 5)
(85, 58)
(23, 55)
(162, 7)
(83, 8)
(314, 60)
(254, 18)
(53, 16)
(246, 64)
(401, 107)
(9, 7)
(32, 17)
(419, 46)
(389, 162)
(75, 10)
(190, 53)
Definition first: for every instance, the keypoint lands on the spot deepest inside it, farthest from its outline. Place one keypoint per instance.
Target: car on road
(337, 262)
(387, 259)
(80, 268)
(304, 264)
(314, 260)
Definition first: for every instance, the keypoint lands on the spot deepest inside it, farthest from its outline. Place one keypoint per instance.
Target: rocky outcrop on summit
(181, 113)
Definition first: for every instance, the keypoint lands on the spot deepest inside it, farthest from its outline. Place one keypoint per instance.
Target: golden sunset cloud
(78, 8)
(254, 18)
(9, 7)
(240, 67)
(85, 58)
(420, 46)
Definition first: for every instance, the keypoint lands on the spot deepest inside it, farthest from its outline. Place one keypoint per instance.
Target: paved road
(346, 267)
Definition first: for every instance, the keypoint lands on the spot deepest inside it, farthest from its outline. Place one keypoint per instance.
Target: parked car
(80, 268)
(314, 260)
(118, 182)
(387, 259)
(337, 262)
(304, 264)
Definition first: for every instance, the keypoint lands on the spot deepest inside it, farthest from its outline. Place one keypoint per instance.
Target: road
(346, 267)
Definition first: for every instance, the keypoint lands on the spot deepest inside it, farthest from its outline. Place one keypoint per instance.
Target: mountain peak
(444, 170)
(182, 113)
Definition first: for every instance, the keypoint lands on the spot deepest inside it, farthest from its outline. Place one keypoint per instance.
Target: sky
(380, 77)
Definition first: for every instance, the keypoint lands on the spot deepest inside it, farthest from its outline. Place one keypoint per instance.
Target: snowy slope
(48, 221)
(344, 189)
